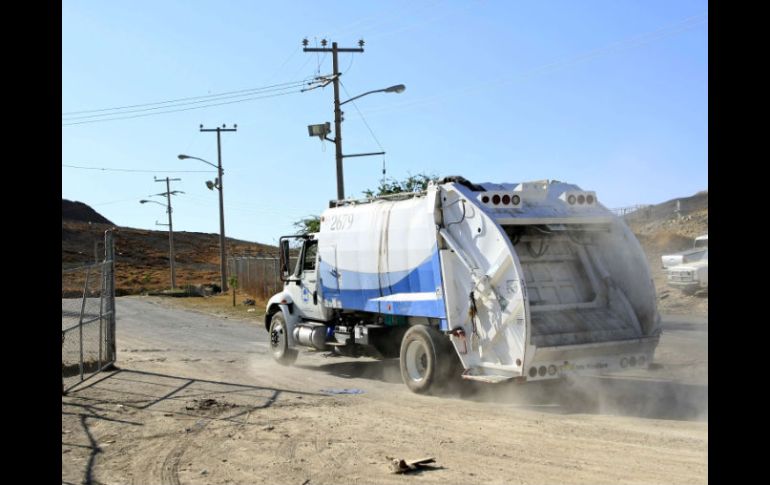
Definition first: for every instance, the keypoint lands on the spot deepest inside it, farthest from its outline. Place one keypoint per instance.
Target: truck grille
(680, 276)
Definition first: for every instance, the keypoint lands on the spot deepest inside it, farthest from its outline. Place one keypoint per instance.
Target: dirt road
(198, 400)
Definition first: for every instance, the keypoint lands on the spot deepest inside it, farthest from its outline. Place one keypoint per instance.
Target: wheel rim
(277, 339)
(416, 360)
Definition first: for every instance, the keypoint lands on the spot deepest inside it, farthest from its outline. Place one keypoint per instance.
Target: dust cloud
(602, 395)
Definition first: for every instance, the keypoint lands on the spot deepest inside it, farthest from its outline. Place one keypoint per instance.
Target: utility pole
(222, 255)
(337, 112)
(168, 193)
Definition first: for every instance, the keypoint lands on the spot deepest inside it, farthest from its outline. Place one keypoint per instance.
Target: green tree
(308, 225)
(410, 184)
(391, 186)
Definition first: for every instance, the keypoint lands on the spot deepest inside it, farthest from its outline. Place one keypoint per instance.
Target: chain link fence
(643, 211)
(257, 276)
(88, 318)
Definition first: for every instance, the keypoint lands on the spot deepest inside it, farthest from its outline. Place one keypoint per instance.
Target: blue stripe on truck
(359, 290)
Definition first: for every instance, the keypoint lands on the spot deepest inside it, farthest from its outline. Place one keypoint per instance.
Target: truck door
(309, 297)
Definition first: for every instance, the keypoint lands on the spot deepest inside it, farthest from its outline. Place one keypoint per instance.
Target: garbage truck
(489, 282)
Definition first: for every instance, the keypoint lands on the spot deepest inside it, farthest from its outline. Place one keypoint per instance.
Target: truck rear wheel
(424, 358)
(279, 342)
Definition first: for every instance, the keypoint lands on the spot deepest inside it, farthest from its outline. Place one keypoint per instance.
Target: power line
(349, 65)
(371, 23)
(252, 208)
(187, 103)
(291, 56)
(133, 199)
(106, 169)
(250, 90)
(182, 109)
(444, 13)
(362, 117)
(615, 47)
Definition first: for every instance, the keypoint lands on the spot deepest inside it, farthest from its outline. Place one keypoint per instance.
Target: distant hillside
(141, 256)
(664, 210)
(78, 211)
(660, 227)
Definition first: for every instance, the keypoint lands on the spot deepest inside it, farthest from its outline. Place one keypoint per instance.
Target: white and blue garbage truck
(491, 282)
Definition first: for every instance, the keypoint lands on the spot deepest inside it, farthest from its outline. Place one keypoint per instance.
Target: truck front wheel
(424, 358)
(279, 343)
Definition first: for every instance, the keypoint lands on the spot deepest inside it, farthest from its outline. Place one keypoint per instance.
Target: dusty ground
(197, 399)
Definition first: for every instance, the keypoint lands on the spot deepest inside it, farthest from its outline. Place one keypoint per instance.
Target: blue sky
(611, 95)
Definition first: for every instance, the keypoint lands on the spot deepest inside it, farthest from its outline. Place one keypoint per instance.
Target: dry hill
(142, 255)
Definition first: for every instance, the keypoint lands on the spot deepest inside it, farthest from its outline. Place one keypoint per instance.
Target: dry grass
(220, 305)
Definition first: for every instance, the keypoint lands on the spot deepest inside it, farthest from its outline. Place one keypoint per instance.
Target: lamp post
(398, 88)
(323, 130)
(171, 256)
(217, 184)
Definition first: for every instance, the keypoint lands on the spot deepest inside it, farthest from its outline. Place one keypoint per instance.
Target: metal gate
(88, 320)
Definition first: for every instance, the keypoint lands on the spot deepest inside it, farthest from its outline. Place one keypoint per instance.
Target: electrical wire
(244, 92)
(307, 61)
(114, 201)
(352, 56)
(443, 13)
(187, 103)
(362, 117)
(612, 48)
(384, 18)
(106, 169)
(179, 110)
(250, 208)
(283, 64)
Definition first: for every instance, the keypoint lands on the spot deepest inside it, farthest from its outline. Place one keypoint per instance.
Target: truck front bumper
(684, 285)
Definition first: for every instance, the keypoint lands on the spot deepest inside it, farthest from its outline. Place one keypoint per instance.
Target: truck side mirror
(284, 261)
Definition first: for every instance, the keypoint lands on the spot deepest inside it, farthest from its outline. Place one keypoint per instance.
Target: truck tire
(279, 343)
(424, 359)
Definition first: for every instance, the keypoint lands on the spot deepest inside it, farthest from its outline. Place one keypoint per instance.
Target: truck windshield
(701, 243)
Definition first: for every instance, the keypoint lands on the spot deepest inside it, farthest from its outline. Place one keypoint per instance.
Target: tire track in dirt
(165, 468)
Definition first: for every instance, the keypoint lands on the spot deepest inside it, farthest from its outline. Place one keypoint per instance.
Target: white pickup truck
(700, 246)
(692, 274)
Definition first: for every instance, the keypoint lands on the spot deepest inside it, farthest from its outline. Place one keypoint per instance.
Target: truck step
(492, 379)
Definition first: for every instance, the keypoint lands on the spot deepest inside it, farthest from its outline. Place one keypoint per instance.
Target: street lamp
(171, 256)
(322, 130)
(217, 184)
(398, 88)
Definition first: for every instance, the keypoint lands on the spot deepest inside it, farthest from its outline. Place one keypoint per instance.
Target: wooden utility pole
(222, 253)
(337, 112)
(171, 256)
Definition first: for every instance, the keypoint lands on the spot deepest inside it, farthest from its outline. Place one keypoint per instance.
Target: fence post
(80, 323)
(249, 280)
(102, 296)
(109, 266)
(275, 275)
